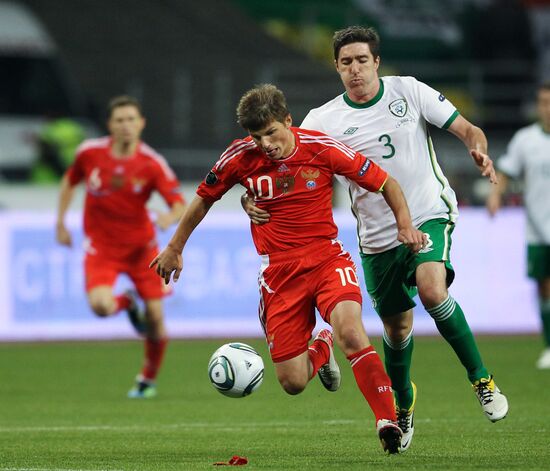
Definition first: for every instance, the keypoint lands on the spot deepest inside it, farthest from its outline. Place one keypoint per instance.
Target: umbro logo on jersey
(441, 97)
(350, 130)
(398, 107)
(283, 168)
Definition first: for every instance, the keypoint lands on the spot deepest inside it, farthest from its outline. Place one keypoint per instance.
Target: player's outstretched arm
(170, 260)
(406, 232)
(494, 200)
(257, 216)
(66, 193)
(476, 142)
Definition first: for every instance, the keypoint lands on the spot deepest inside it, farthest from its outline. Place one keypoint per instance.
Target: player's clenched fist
(414, 239)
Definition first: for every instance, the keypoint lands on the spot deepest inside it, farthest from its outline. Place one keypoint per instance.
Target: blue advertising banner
(42, 287)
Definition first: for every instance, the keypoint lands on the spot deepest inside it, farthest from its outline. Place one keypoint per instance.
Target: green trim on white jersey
(355, 215)
(369, 103)
(451, 120)
(440, 177)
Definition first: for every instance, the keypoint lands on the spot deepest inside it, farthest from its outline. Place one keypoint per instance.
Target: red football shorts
(295, 282)
(103, 263)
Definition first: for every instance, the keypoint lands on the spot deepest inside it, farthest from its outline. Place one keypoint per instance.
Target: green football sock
(545, 318)
(454, 328)
(397, 358)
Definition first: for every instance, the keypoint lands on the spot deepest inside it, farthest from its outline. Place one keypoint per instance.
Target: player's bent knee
(101, 308)
(398, 328)
(398, 334)
(292, 387)
(432, 296)
(100, 311)
(351, 339)
(292, 383)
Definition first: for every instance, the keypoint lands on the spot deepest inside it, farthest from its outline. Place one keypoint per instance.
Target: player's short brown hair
(123, 100)
(260, 106)
(356, 34)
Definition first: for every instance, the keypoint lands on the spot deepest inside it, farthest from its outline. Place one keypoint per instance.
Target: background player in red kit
(121, 172)
(289, 170)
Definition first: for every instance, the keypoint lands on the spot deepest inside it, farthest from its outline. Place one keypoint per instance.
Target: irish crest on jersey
(398, 107)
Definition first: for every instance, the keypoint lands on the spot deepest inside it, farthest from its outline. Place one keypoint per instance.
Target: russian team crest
(398, 107)
(310, 175)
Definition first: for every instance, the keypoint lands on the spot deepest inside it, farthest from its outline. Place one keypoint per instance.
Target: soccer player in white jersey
(386, 119)
(528, 156)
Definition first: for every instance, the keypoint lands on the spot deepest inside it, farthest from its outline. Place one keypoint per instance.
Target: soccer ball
(236, 369)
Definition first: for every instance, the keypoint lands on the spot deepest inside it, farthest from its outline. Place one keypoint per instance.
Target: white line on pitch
(190, 425)
(202, 425)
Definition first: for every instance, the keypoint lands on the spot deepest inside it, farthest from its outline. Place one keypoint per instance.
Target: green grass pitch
(63, 406)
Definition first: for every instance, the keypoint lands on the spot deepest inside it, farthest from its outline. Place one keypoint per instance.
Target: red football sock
(154, 352)
(318, 353)
(122, 302)
(373, 382)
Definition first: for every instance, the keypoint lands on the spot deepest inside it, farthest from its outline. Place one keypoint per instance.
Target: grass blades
(63, 407)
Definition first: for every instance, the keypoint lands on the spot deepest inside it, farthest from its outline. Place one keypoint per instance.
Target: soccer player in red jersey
(289, 171)
(120, 173)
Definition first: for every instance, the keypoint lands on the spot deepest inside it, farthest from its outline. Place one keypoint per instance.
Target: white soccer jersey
(528, 156)
(391, 130)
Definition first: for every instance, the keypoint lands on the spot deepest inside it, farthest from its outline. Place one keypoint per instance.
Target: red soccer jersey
(296, 190)
(117, 191)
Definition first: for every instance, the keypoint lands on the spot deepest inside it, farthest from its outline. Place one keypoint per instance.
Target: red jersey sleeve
(225, 173)
(355, 166)
(76, 172)
(167, 184)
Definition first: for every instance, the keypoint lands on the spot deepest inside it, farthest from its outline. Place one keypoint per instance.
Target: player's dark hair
(123, 100)
(260, 106)
(545, 85)
(356, 34)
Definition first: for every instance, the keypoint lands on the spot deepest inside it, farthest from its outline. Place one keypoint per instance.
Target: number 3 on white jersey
(347, 275)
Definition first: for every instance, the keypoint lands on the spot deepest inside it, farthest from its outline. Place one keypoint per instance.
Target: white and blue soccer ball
(236, 369)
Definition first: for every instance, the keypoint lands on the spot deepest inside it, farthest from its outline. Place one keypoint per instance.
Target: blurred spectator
(57, 144)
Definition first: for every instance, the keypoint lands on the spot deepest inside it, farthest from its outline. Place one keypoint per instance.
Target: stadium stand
(189, 62)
